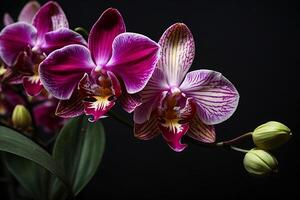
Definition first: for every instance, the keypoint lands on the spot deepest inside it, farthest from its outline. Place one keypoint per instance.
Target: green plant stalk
(227, 144)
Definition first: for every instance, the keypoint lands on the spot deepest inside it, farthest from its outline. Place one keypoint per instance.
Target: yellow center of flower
(2, 70)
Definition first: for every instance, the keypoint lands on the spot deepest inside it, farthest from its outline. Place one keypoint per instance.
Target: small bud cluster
(271, 135)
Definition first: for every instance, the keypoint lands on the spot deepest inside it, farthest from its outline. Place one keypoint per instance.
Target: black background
(254, 44)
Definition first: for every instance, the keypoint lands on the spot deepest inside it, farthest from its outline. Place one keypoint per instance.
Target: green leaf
(19, 145)
(31, 176)
(79, 148)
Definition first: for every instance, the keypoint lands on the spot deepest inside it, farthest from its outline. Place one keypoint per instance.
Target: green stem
(235, 140)
(227, 144)
(239, 149)
(82, 31)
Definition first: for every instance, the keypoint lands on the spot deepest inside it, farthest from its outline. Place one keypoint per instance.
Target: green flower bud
(271, 135)
(21, 117)
(259, 162)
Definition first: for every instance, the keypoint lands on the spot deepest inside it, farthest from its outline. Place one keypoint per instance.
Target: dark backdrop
(254, 44)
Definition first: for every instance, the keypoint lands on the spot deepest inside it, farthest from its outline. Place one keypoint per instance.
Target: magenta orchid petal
(177, 54)
(61, 72)
(147, 130)
(12, 77)
(133, 59)
(109, 25)
(50, 17)
(32, 85)
(14, 39)
(60, 38)
(45, 117)
(72, 107)
(173, 133)
(7, 19)
(200, 131)
(28, 11)
(130, 101)
(151, 95)
(97, 108)
(116, 87)
(99, 99)
(215, 96)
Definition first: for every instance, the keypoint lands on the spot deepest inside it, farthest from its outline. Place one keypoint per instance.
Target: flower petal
(130, 101)
(32, 85)
(177, 55)
(60, 38)
(50, 17)
(45, 117)
(72, 107)
(147, 130)
(200, 131)
(109, 25)
(28, 11)
(133, 59)
(172, 132)
(62, 70)
(14, 39)
(7, 19)
(154, 89)
(215, 96)
(97, 107)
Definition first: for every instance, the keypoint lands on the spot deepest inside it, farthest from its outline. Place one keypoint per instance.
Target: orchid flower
(23, 45)
(44, 115)
(26, 15)
(89, 80)
(175, 102)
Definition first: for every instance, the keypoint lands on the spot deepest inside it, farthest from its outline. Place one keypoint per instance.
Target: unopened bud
(21, 117)
(259, 162)
(271, 135)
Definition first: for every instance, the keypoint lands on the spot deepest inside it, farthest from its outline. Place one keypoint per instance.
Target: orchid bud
(259, 162)
(21, 117)
(271, 135)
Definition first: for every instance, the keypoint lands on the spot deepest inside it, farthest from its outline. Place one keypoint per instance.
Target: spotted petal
(72, 107)
(14, 39)
(172, 132)
(109, 25)
(177, 54)
(133, 59)
(50, 17)
(28, 11)
(215, 96)
(32, 85)
(62, 70)
(200, 131)
(130, 101)
(147, 130)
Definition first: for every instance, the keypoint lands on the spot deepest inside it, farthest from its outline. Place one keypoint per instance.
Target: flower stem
(82, 31)
(235, 140)
(227, 144)
(239, 149)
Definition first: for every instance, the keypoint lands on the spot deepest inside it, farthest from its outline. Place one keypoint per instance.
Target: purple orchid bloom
(26, 15)
(175, 102)
(45, 118)
(23, 45)
(89, 80)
